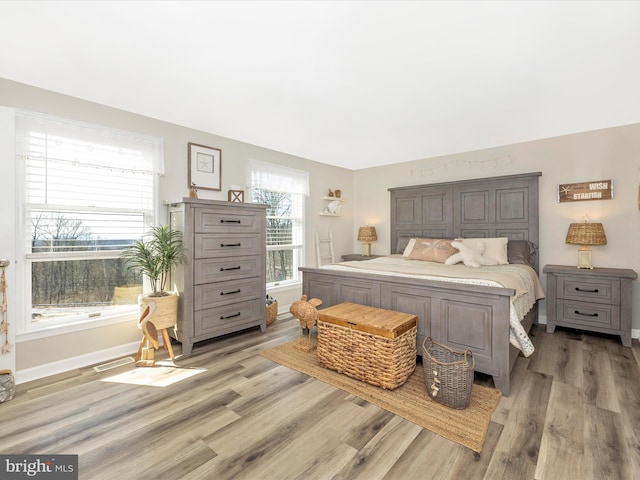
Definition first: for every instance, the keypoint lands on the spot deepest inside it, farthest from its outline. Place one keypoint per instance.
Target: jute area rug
(410, 401)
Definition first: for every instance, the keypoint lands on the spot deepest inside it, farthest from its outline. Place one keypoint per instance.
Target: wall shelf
(326, 213)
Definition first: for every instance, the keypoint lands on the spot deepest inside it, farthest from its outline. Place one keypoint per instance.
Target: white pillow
(409, 247)
(496, 249)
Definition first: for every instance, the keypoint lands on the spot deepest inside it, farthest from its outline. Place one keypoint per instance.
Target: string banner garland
(4, 324)
(576, 192)
(495, 162)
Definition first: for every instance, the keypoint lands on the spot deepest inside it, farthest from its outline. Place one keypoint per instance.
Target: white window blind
(88, 192)
(277, 178)
(85, 183)
(283, 190)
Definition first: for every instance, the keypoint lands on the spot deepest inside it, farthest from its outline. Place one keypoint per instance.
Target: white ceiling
(354, 84)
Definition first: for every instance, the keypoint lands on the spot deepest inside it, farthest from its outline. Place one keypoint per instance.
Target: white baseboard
(283, 308)
(35, 373)
(94, 358)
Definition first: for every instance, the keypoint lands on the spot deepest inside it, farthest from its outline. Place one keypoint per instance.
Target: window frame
(278, 179)
(27, 329)
(296, 247)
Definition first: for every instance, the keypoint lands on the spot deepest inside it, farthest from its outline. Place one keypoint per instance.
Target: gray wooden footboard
(461, 316)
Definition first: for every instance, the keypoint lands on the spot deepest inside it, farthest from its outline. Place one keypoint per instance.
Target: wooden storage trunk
(371, 344)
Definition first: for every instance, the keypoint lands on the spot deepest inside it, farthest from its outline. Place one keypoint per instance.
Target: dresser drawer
(220, 269)
(229, 318)
(221, 293)
(582, 314)
(601, 290)
(207, 245)
(222, 220)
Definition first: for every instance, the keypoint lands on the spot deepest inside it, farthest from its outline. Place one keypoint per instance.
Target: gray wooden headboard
(481, 208)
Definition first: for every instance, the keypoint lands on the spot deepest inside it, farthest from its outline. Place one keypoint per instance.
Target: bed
(461, 315)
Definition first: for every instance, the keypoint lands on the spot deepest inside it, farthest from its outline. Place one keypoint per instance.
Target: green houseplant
(154, 256)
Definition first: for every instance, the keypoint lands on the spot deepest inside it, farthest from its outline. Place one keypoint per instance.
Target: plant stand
(149, 326)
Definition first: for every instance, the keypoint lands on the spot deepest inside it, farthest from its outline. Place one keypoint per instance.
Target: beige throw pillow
(496, 249)
(432, 250)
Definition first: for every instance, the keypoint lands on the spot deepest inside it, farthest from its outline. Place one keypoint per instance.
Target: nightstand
(597, 300)
(357, 257)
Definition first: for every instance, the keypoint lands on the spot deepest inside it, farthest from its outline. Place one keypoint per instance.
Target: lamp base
(584, 257)
(366, 250)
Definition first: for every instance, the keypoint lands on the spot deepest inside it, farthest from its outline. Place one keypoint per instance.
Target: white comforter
(521, 278)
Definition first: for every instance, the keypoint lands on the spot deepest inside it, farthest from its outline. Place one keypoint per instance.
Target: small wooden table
(371, 344)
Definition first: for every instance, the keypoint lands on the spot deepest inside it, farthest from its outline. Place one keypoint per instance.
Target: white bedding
(522, 278)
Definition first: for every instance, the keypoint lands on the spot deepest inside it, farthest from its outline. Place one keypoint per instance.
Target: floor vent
(115, 364)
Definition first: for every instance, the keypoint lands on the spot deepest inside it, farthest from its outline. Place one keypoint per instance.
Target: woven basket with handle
(7, 385)
(448, 374)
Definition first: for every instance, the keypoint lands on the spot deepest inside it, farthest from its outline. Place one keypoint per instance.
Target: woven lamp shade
(367, 234)
(586, 234)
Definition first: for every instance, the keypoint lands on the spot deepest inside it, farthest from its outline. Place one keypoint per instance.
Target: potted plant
(154, 256)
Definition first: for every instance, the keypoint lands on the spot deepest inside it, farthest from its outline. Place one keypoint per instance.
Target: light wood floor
(574, 412)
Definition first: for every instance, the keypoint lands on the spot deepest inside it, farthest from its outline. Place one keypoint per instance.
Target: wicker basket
(7, 386)
(163, 311)
(272, 312)
(384, 362)
(448, 374)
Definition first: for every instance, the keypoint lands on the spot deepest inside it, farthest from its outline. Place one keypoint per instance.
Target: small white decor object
(334, 207)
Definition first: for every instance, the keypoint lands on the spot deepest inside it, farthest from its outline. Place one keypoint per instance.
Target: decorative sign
(576, 192)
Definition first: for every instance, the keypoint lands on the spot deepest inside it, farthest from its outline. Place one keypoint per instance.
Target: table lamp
(585, 234)
(367, 235)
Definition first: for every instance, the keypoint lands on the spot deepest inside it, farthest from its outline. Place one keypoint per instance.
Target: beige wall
(59, 349)
(612, 153)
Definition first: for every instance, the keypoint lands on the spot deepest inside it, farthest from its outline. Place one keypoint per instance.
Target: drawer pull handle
(222, 220)
(586, 290)
(223, 269)
(222, 245)
(222, 317)
(578, 312)
(230, 293)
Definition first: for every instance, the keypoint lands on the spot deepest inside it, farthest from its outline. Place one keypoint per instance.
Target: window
(87, 193)
(283, 190)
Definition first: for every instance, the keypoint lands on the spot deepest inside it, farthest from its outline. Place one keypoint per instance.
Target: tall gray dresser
(222, 286)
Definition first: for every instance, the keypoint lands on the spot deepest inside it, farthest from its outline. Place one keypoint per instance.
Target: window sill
(89, 324)
(283, 287)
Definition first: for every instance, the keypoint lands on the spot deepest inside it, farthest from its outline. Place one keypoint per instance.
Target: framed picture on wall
(205, 167)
